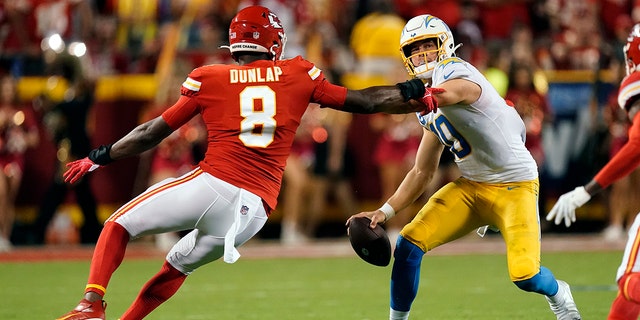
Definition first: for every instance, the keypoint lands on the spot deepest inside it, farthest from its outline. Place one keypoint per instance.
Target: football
(371, 245)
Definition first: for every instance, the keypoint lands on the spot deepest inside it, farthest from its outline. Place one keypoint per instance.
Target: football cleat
(562, 303)
(86, 310)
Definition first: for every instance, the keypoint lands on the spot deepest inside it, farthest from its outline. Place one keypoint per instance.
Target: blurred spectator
(494, 62)
(467, 32)
(291, 13)
(296, 179)
(63, 26)
(138, 32)
(71, 19)
(318, 170)
(375, 41)
(333, 169)
(610, 12)
(449, 11)
(522, 46)
(500, 17)
(623, 25)
(540, 22)
(18, 131)
(105, 57)
(577, 37)
(205, 36)
(532, 107)
(394, 155)
(66, 121)
(19, 40)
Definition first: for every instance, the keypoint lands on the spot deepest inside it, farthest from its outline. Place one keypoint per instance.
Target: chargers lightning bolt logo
(447, 61)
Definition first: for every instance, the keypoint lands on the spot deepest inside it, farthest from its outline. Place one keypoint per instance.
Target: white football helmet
(420, 28)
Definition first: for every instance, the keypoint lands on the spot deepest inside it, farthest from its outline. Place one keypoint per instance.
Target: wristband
(101, 155)
(388, 211)
(411, 89)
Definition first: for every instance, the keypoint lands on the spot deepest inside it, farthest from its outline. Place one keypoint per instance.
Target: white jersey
(486, 137)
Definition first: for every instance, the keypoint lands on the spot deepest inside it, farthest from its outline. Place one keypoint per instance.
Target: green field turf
(452, 287)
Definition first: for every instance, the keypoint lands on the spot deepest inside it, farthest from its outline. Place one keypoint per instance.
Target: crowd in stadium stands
(515, 43)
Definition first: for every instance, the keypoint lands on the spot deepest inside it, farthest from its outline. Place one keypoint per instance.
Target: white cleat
(562, 303)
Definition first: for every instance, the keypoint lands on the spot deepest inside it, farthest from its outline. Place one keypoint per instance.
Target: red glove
(77, 169)
(429, 101)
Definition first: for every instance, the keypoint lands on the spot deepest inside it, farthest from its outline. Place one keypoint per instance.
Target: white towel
(246, 206)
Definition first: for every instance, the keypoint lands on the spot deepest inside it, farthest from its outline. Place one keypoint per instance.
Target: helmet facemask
(416, 60)
(277, 50)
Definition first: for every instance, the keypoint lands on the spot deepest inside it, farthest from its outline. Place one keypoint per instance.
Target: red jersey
(628, 158)
(251, 114)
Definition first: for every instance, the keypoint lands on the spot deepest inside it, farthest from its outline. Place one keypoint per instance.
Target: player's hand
(565, 208)
(376, 217)
(77, 169)
(429, 100)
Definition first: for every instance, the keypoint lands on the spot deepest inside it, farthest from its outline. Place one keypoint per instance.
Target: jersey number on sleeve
(450, 137)
(258, 126)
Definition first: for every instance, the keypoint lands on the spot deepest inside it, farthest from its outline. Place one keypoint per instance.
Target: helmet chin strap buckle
(456, 47)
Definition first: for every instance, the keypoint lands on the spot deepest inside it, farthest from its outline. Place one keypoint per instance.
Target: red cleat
(86, 310)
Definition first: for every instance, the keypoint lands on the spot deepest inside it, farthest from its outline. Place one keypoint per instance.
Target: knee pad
(407, 252)
(195, 250)
(544, 283)
(629, 286)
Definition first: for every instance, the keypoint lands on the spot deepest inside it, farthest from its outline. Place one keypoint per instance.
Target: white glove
(565, 208)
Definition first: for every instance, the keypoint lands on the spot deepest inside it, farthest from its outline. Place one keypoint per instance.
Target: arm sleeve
(181, 112)
(187, 106)
(324, 92)
(329, 95)
(625, 161)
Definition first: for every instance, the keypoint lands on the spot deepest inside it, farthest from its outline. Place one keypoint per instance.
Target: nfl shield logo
(256, 34)
(244, 210)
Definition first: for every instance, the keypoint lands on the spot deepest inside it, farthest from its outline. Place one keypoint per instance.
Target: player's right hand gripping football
(376, 217)
(565, 208)
(77, 169)
(429, 100)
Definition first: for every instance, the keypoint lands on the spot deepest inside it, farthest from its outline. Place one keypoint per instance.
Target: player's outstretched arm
(140, 139)
(404, 97)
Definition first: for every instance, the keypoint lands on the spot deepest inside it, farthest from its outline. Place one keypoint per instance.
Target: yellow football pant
(463, 205)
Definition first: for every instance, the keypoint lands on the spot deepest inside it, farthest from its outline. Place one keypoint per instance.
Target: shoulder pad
(451, 68)
(629, 90)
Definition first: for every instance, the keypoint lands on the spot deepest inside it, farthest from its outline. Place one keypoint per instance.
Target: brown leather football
(371, 245)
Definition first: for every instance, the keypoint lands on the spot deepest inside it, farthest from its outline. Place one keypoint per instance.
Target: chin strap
(456, 47)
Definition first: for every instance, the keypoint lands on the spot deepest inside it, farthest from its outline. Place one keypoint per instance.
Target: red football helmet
(632, 49)
(257, 29)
